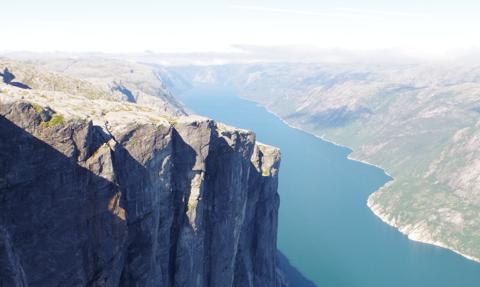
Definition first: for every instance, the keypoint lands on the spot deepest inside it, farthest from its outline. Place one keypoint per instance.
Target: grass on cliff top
(54, 121)
(38, 109)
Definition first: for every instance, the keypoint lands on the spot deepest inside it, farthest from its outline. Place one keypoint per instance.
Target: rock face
(144, 202)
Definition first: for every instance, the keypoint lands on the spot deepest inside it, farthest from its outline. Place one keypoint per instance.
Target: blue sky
(424, 27)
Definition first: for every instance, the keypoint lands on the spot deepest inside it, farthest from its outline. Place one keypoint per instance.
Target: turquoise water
(325, 228)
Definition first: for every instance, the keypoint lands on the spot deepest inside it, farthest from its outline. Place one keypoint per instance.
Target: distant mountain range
(419, 122)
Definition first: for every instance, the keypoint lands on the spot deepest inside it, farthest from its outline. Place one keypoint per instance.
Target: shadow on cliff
(62, 224)
(63, 221)
(294, 277)
(156, 213)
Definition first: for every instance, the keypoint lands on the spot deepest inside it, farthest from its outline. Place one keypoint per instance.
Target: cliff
(97, 192)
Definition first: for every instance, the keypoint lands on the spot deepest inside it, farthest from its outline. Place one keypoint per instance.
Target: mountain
(418, 121)
(97, 189)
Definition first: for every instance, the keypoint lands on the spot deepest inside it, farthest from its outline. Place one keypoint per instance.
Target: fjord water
(325, 228)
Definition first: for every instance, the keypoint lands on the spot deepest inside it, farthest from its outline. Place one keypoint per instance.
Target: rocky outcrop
(94, 79)
(95, 199)
(125, 80)
(152, 206)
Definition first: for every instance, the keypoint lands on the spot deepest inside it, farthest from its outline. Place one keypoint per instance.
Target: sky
(180, 26)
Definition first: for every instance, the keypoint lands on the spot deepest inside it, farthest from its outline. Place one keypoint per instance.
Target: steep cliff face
(131, 198)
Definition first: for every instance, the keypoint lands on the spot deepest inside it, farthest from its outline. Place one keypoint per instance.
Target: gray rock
(11, 271)
(193, 203)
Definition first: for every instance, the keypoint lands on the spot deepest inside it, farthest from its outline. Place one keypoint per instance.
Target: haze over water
(325, 228)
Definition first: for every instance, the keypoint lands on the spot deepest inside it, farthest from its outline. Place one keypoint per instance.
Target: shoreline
(376, 209)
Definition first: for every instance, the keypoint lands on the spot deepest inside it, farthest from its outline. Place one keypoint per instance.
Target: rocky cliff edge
(98, 192)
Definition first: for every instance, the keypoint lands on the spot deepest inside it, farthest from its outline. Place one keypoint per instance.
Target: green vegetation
(38, 109)
(54, 121)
